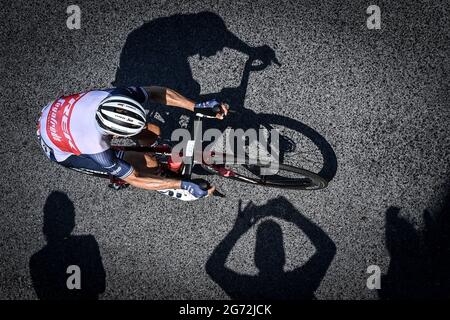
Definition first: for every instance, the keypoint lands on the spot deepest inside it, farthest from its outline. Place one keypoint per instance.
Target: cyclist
(76, 131)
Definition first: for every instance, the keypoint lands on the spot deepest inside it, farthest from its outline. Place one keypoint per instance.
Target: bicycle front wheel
(268, 174)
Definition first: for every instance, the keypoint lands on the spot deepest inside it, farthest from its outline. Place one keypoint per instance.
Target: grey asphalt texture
(378, 97)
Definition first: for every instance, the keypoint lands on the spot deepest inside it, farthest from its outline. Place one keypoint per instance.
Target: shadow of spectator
(48, 266)
(272, 282)
(420, 258)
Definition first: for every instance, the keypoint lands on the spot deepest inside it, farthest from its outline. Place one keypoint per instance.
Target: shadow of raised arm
(312, 272)
(229, 280)
(317, 266)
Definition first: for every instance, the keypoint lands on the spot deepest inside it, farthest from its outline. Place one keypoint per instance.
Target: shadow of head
(269, 249)
(157, 52)
(401, 236)
(59, 217)
(206, 33)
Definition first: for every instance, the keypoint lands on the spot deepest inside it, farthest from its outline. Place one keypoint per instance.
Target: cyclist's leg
(149, 136)
(144, 163)
(84, 165)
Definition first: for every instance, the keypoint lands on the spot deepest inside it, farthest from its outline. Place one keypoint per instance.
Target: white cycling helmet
(121, 116)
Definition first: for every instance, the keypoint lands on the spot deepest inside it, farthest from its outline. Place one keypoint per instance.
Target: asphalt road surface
(378, 100)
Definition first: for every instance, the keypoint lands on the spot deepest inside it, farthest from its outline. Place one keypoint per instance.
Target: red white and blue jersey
(67, 128)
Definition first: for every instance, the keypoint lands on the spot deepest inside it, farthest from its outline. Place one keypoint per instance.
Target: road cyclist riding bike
(78, 132)
(75, 131)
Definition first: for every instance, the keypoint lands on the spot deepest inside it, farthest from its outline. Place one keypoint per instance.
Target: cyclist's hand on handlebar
(211, 109)
(197, 190)
(204, 185)
(211, 190)
(223, 111)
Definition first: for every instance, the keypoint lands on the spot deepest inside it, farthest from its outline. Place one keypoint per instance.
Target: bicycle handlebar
(193, 147)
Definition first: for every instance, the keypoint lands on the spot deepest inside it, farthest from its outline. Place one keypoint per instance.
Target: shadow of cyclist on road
(158, 52)
(272, 282)
(48, 266)
(420, 258)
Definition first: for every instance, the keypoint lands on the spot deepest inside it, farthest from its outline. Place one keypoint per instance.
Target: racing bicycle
(245, 168)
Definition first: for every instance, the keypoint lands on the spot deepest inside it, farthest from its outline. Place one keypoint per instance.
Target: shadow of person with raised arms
(272, 282)
(420, 258)
(49, 266)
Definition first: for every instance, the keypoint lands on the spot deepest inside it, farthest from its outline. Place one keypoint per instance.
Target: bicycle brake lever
(200, 115)
(214, 111)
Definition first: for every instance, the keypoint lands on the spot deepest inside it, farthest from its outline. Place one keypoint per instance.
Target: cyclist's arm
(169, 97)
(172, 98)
(123, 170)
(155, 94)
(152, 183)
